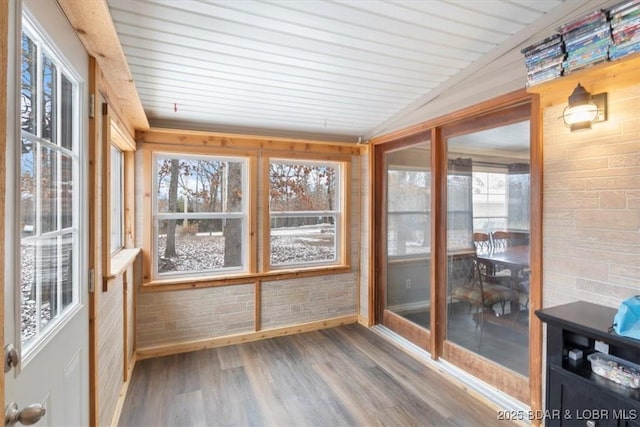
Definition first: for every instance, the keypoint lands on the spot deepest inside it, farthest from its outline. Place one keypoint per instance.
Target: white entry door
(46, 292)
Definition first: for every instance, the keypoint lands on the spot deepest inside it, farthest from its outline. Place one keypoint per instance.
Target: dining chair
(501, 240)
(481, 295)
(482, 242)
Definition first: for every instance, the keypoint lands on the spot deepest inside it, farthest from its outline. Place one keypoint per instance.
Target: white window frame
(338, 213)
(44, 334)
(243, 215)
(116, 202)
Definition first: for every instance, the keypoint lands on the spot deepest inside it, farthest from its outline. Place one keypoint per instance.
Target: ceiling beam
(92, 23)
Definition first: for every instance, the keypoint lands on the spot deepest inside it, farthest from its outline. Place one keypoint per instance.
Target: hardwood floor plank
(343, 376)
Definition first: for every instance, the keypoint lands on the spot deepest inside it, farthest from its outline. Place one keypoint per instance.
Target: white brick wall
(591, 223)
(179, 316)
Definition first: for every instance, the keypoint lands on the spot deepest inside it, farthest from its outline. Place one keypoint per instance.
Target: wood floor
(346, 376)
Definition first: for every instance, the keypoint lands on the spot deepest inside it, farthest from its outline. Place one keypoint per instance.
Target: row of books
(590, 39)
(625, 29)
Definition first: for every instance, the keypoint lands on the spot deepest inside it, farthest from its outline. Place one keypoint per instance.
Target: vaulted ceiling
(339, 69)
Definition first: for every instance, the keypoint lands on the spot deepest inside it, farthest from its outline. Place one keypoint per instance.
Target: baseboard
(364, 321)
(115, 419)
(188, 346)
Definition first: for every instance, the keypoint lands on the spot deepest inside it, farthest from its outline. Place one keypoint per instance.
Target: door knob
(29, 415)
(11, 357)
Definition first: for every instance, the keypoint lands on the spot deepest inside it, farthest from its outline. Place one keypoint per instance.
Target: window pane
(66, 113)
(48, 190)
(29, 98)
(67, 270)
(302, 187)
(28, 184)
(116, 204)
(199, 245)
(49, 87)
(303, 239)
(408, 234)
(190, 185)
(48, 277)
(28, 289)
(66, 196)
(408, 190)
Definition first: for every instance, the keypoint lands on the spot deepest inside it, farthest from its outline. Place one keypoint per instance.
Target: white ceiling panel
(310, 67)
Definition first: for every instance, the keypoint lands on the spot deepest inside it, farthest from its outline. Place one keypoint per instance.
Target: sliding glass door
(488, 265)
(458, 243)
(404, 246)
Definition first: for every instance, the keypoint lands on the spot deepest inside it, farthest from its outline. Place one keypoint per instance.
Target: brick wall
(166, 318)
(591, 223)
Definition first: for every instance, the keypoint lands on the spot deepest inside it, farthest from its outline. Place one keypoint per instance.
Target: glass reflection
(408, 220)
(488, 184)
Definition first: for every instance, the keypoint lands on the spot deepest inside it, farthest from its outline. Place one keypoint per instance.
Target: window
(116, 195)
(200, 215)
(408, 212)
(305, 216)
(489, 201)
(49, 205)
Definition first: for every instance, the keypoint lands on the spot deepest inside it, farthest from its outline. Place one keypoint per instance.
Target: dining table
(513, 258)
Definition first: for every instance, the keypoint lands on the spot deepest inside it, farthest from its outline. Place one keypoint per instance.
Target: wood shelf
(596, 79)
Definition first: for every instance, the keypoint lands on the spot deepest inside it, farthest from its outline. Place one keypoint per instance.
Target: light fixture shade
(582, 111)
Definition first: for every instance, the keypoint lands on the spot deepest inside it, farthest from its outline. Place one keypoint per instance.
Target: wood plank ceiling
(336, 68)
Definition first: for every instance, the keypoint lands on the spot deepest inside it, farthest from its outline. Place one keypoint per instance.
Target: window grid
(48, 255)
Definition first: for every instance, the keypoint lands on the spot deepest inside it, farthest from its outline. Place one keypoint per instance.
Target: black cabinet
(575, 396)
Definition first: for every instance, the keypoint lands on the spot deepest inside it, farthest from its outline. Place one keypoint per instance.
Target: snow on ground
(205, 252)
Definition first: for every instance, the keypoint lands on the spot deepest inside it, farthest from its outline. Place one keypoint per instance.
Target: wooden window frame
(343, 246)
(258, 151)
(117, 262)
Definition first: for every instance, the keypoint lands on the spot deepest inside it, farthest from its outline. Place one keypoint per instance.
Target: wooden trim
(379, 219)
(209, 140)
(344, 257)
(194, 150)
(129, 200)
(124, 389)
(364, 321)
(94, 27)
(509, 382)
(209, 282)
(257, 302)
(597, 78)
(535, 250)
(478, 109)
(438, 242)
(252, 206)
(105, 147)
(511, 113)
(121, 262)
(416, 334)
(170, 349)
(147, 214)
(94, 249)
(120, 138)
(266, 224)
(371, 309)
(125, 328)
(4, 66)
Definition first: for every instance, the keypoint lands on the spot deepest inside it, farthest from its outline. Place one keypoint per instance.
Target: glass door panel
(488, 187)
(406, 230)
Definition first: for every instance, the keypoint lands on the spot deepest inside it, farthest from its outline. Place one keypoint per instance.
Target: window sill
(207, 282)
(120, 262)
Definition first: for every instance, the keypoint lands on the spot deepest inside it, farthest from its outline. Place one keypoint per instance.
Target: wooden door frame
(416, 334)
(501, 110)
(4, 63)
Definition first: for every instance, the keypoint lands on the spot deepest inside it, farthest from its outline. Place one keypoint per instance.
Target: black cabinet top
(587, 318)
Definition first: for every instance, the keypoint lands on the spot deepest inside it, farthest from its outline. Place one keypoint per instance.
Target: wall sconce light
(584, 109)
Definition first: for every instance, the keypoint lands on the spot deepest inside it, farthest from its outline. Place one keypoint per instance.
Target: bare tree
(233, 227)
(170, 248)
